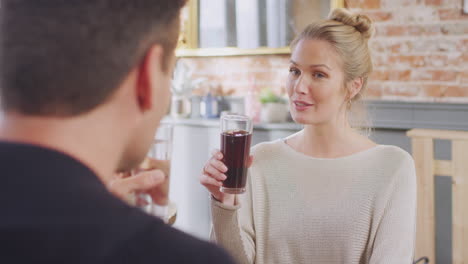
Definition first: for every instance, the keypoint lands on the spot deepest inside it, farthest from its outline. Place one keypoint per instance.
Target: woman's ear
(354, 87)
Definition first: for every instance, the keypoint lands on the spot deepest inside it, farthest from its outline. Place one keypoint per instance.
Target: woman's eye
(294, 71)
(319, 75)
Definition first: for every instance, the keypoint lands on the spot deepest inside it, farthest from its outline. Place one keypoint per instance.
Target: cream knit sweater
(298, 209)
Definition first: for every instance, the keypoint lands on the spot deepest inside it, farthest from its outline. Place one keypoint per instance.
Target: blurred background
(233, 57)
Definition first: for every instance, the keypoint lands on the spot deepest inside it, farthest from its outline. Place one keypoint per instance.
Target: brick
(395, 75)
(436, 60)
(363, 4)
(379, 59)
(416, 14)
(402, 90)
(452, 14)
(379, 31)
(462, 45)
(407, 60)
(434, 75)
(403, 46)
(408, 30)
(460, 28)
(426, 30)
(373, 91)
(353, 3)
(264, 76)
(379, 75)
(451, 59)
(443, 3)
(458, 60)
(433, 2)
(395, 31)
(240, 76)
(463, 77)
(378, 15)
(399, 3)
(441, 91)
(444, 76)
(456, 91)
(433, 91)
(377, 46)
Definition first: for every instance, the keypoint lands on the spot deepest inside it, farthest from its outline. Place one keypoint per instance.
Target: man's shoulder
(158, 243)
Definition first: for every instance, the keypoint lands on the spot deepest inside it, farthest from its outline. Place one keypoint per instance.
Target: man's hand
(125, 186)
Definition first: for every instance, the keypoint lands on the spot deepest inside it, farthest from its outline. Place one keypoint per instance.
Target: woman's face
(315, 83)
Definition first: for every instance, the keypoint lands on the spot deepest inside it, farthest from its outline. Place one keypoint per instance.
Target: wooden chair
(426, 167)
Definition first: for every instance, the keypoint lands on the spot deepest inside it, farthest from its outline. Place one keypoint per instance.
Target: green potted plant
(274, 107)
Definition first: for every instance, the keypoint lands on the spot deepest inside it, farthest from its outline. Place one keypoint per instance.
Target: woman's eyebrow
(312, 65)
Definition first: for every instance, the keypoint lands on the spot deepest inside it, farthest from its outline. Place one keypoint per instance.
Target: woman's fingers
(209, 181)
(217, 154)
(213, 172)
(218, 165)
(250, 161)
(212, 185)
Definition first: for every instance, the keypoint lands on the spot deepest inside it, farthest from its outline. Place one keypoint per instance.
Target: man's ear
(148, 70)
(354, 87)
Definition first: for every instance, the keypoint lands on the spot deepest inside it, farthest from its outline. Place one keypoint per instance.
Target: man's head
(67, 58)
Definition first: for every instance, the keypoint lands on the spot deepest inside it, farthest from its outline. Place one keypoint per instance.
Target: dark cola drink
(236, 137)
(235, 146)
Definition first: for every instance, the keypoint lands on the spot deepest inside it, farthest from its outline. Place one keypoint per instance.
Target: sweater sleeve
(233, 226)
(395, 235)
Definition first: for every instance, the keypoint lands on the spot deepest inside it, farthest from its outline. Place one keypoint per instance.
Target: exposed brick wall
(238, 72)
(420, 53)
(420, 49)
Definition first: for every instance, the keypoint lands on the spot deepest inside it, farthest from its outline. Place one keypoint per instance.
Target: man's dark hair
(66, 57)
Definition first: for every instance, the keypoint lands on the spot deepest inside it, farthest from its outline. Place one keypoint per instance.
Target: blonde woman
(326, 194)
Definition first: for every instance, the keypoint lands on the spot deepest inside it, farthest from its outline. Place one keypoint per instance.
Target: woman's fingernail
(225, 169)
(157, 176)
(224, 177)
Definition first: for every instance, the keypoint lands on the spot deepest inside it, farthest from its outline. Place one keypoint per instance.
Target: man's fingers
(148, 179)
(143, 181)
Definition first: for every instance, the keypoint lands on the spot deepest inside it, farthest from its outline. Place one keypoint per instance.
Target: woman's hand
(214, 173)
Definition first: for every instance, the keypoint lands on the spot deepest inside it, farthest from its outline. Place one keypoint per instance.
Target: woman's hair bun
(361, 23)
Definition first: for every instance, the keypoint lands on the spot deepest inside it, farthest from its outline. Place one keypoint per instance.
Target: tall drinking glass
(236, 137)
(156, 201)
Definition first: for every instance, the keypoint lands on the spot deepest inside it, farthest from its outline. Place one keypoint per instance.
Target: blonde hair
(348, 34)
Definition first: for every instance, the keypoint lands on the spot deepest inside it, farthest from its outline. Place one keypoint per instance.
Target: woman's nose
(301, 86)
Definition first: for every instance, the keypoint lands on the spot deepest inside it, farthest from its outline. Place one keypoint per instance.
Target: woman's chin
(304, 119)
(299, 119)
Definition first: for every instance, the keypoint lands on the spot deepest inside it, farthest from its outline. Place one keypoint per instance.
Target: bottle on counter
(209, 106)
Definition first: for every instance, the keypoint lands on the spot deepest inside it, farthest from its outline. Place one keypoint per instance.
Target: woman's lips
(301, 105)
